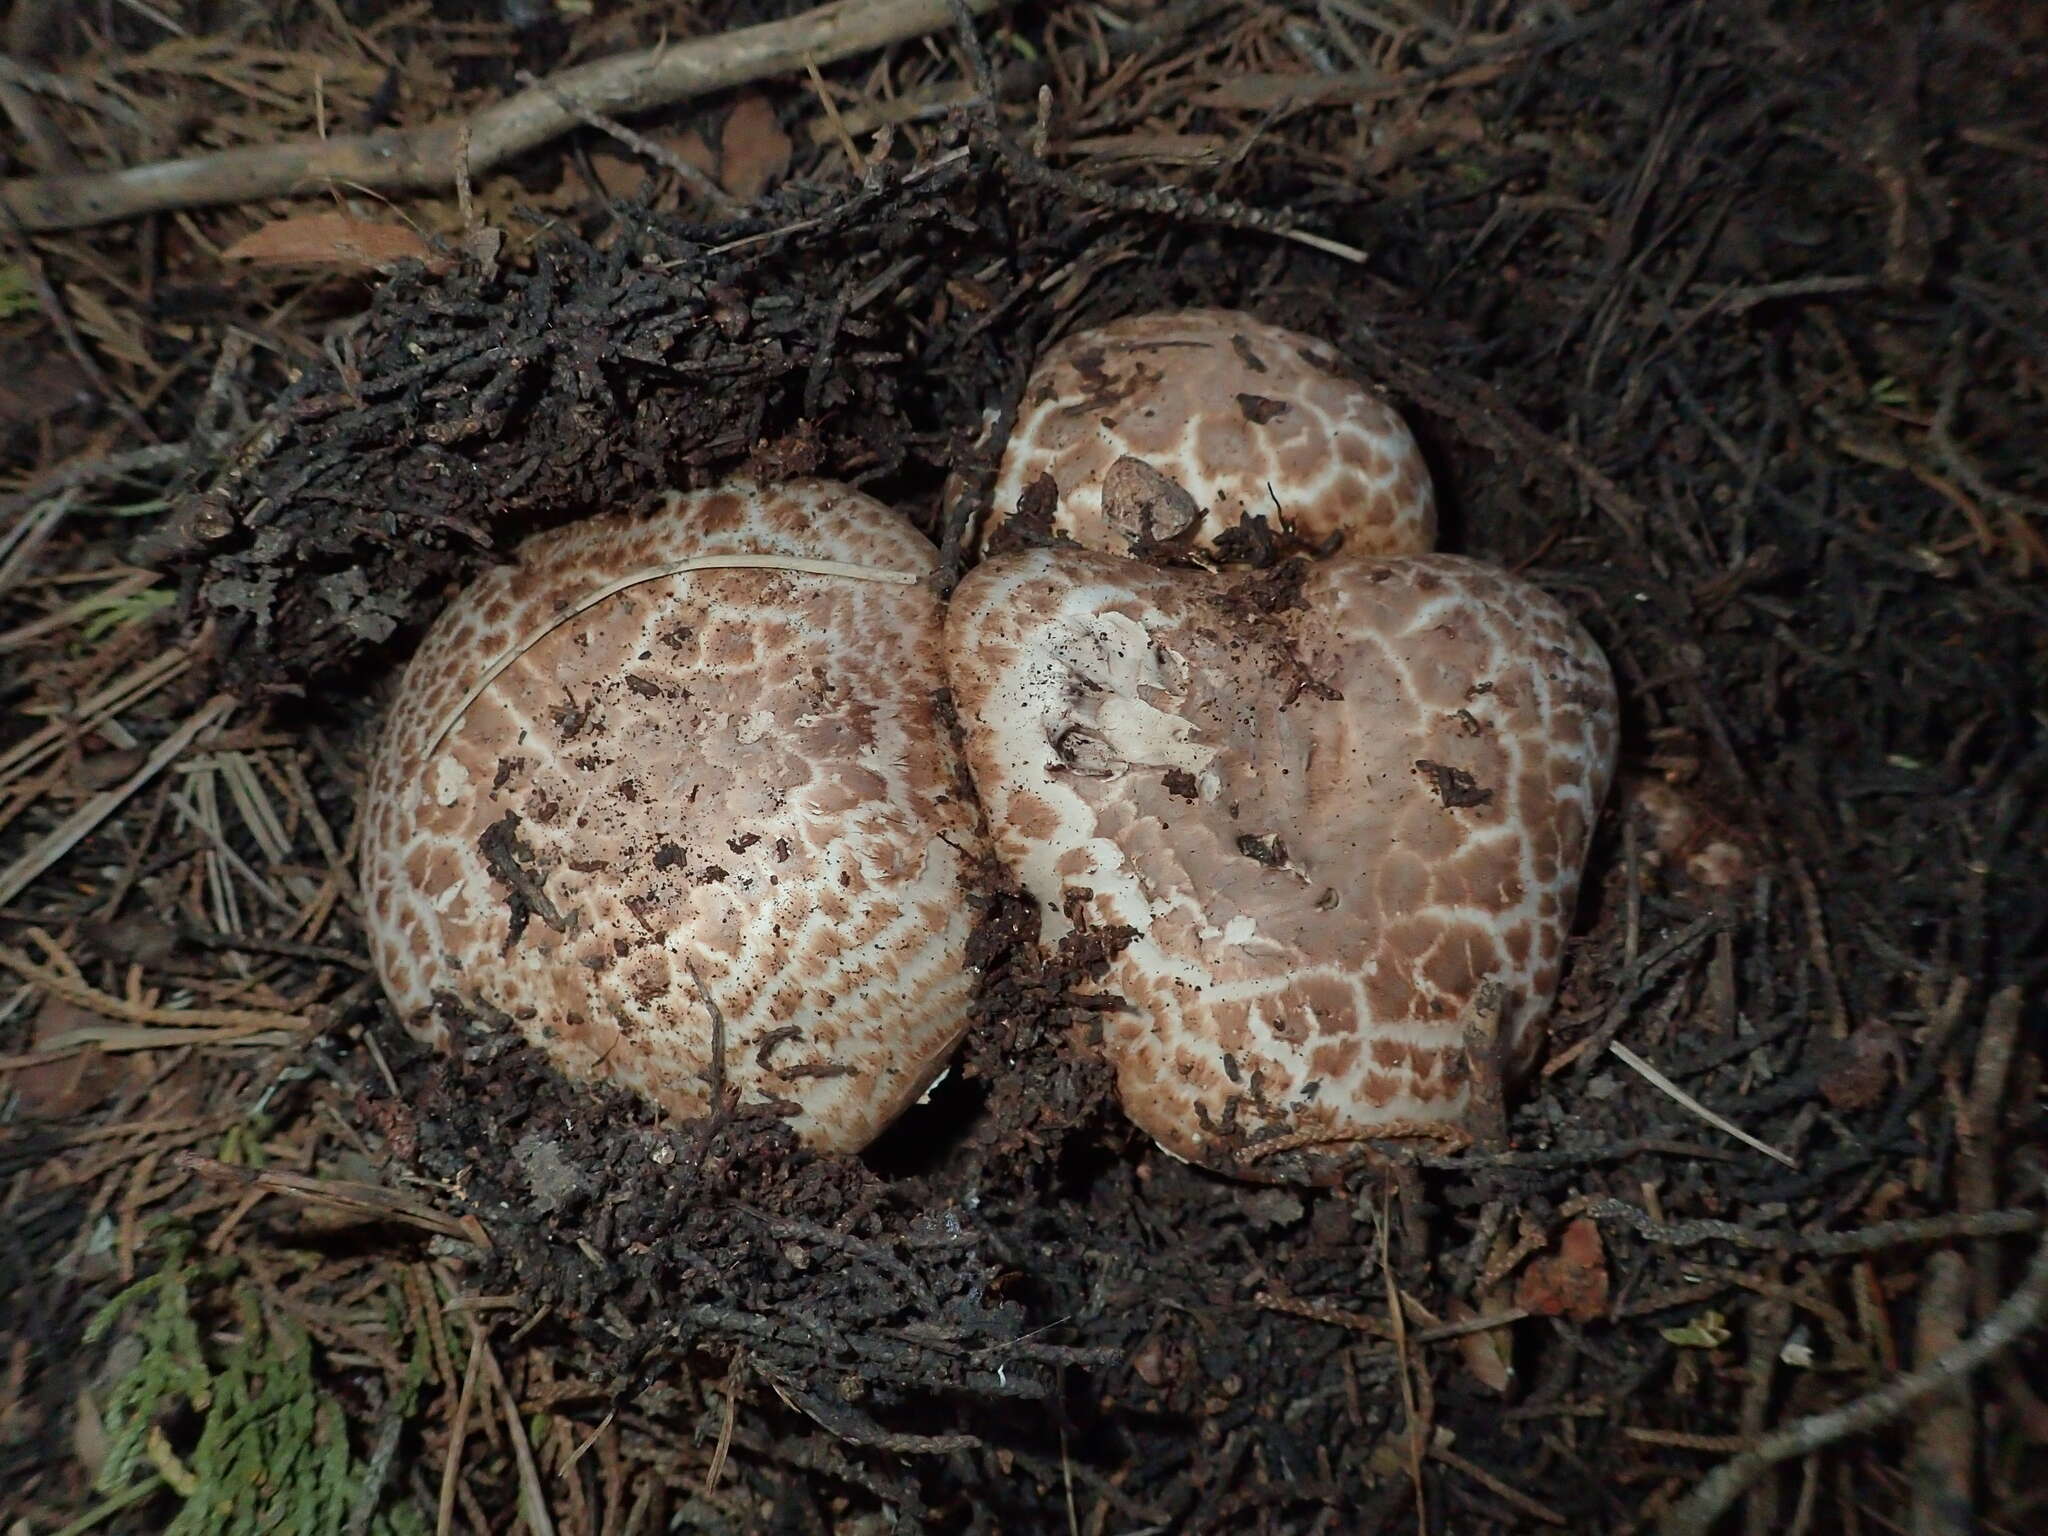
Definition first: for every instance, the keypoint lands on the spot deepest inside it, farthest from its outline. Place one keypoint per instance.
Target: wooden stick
(431, 154)
(2023, 1311)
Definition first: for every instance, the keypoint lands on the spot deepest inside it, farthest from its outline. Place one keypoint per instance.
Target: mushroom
(1343, 825)
(673, 797)
(1174, 428)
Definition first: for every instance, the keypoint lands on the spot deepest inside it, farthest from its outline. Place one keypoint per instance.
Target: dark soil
(1725, 324)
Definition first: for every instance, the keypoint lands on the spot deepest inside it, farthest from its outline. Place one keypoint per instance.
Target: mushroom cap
(1236, 416)
(1319, 886)
(742, 771)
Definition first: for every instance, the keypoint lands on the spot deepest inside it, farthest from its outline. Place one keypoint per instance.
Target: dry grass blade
(728, 1419)
(451, 1470)
(118, 1038)
(95, 713)
(533, 1500)
(22, 538)
(101, 806)
(1664, 1085)
(1415, 1432)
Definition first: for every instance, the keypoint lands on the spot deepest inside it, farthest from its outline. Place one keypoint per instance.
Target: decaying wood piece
(432, 154)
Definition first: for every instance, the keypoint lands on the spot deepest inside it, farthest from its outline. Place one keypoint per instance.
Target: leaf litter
(1726, 329)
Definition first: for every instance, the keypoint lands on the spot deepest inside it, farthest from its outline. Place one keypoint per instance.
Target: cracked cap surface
(741, 770)
(1238, 416)
(1320, 886)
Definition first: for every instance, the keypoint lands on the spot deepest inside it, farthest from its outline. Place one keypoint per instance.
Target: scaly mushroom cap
(1147, 423)
(1320, 886)
(741, 770)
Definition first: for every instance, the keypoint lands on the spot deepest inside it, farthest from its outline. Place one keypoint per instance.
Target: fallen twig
(2023, 1310)
(1496, 1487)
(370, 1201)
(1978, 1149)
(432, 154)
(1942, 1467)
(1920, 1229)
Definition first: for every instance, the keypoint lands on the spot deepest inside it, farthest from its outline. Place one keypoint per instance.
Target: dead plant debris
(1726, 323)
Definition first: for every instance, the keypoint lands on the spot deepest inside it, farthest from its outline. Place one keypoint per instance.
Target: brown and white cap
(1329, 825)
(740, 772)
(1172, 428)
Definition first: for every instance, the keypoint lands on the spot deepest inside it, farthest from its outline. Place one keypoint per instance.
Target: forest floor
(1727, 324)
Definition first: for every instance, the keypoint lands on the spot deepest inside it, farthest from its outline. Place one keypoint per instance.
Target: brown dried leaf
(1571, 1282)
(618, 176)
(753, 151)
(690, 147)
(1488, 1354)
(67, 1085)
(333, 240)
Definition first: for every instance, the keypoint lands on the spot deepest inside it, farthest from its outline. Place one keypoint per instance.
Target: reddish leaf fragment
(1572, 1282)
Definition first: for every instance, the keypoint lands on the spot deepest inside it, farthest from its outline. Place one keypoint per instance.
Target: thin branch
(430, 155)
(697, 181)
(1889, 1234)
(2023, 1311)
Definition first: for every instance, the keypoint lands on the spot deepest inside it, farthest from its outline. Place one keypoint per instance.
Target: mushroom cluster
(1343, 819)
(674, 797)
(1329, 828)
